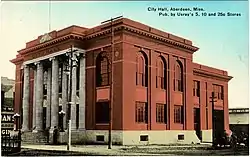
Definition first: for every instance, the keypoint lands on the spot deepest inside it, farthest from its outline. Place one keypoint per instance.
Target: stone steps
(39, 138)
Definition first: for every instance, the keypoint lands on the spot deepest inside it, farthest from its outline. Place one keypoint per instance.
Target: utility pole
(213, 122)
(112, 80)
(70, 59)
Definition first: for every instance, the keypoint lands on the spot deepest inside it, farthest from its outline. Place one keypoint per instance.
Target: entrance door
(197, 126)
(218, 123)
(44, 118)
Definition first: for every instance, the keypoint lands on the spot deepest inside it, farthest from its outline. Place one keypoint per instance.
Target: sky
(223, 40)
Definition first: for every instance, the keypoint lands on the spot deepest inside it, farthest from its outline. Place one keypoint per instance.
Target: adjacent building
(239, 120)
(7, 90)
(160, 95)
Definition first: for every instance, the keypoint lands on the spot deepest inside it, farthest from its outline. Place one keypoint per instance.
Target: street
(92, 150)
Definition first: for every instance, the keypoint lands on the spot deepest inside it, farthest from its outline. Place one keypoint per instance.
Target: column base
(82, 129)
(37, 130)
(25, 130)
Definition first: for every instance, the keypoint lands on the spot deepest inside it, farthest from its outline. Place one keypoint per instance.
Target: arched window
(141, 69)
(161, 79)
(178, 76)
(102, 70)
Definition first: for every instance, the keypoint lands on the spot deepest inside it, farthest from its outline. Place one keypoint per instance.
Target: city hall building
(160, 95)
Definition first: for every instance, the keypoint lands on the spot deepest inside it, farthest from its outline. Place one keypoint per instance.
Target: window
(161, 115)
(77, 116)
(144, 138)
(45, 77)
(196, 88)
(103, 70)
(178, 76)
(60, 77)
(100, 138)
(161, 73)
(68, 112)
(102, 112)
(178, 114)
(141, 69)
(180, 137)
(218, 92)
(141, 114)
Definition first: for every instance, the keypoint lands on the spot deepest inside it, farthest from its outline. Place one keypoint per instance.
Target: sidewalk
(116, 150)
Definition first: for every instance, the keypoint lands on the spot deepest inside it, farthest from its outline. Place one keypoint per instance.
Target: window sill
(161, 123)
(102, 87)
(101, 123)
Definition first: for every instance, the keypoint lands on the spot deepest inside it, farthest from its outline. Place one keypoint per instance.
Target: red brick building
(160, 94)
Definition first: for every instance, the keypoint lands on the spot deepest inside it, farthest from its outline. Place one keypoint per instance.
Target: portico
(50, 92)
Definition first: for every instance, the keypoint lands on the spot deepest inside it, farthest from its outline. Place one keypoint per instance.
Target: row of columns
(53, 95)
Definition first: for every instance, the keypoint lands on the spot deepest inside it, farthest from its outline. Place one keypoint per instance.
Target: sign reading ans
(7, 120)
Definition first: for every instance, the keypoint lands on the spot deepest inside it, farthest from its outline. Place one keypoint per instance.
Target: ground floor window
(178, 114)
(102, 112)
(141, 112)
(161, 113)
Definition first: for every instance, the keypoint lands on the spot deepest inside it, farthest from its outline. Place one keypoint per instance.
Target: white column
(82, 94)
(54, 93)
(64, 94)
(34, 100)
(26, 94)
(48, 110)
(73, 96)
(39, 97)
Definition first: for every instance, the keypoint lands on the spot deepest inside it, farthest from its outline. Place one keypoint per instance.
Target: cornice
(145, 34)
(79, 36)
(161, 38)
(17, 60)
(210, 75)
(51, 42)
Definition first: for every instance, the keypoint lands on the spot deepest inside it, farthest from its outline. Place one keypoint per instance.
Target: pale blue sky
(223, 41)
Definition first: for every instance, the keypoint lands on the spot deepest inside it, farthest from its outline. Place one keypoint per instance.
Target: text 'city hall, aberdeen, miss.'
(160, 95)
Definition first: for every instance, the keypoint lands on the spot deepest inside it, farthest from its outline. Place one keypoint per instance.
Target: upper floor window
(196, 88)
(45, 78)
(102, 70)
(178, 76)
(161, 73)
(141, 69)
(60, 77)
(218, 91)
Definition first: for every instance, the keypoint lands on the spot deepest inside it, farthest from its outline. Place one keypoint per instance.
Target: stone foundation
(122, 137)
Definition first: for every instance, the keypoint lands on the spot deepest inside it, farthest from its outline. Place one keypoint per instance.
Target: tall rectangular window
(161, 113)
(218, 91)
(102, 112)
(196, 88)
(77, 116)
(178, 114)
(141, 112)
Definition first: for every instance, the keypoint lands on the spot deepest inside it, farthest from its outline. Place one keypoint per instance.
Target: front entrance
(218, 123)
(197, 126)
(44, 118)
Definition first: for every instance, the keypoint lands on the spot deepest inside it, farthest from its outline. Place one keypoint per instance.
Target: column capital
(52, 58)
(24, 66)
(38, 63)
